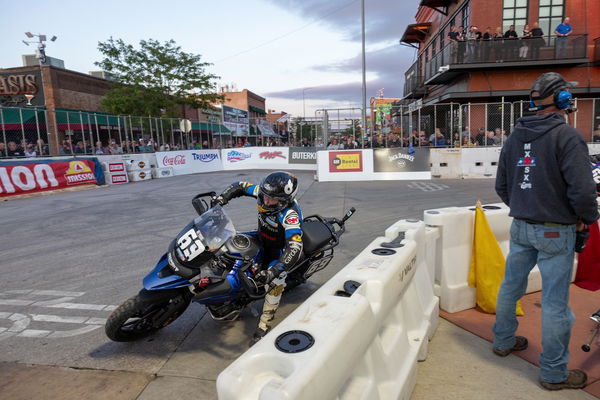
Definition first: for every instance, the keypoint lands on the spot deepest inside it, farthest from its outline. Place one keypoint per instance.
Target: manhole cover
(383, 252)
(294, 341)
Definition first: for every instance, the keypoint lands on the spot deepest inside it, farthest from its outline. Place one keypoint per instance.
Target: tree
(155, 79)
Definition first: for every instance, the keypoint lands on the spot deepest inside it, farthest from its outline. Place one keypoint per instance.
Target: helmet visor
(268, 204)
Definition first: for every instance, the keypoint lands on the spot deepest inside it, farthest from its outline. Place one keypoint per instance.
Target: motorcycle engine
(244, 245)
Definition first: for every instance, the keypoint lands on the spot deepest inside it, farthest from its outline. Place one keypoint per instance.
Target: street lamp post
(364, 77)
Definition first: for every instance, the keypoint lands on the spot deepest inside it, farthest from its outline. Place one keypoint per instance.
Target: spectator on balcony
(2, 150)
(79, 148)
(461, 45)
(524, 49)
(305, 142)
(99, 149)
(65, 149)
(114, 148)
(334, 144)
(487, 43)
(511, 43)
(351, 143)
(562, 31)
(473, 39)
(537, 41)
(498, 45)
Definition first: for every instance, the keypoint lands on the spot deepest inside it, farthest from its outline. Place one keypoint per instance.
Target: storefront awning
(65, 116)
(437, 5)
(416, 33)
(11, 118)
(215, 129)
(257, 110)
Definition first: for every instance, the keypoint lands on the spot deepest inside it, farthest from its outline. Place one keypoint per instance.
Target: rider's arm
(239, 189)
(293, 242)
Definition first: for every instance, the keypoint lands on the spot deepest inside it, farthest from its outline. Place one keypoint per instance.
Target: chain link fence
(30, 132)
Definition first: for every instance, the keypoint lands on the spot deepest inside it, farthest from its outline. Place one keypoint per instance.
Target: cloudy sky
(276, 48)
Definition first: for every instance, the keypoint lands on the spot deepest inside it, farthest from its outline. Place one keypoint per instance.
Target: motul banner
(39, 177)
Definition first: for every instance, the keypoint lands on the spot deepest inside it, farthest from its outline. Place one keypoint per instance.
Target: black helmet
(280, 186)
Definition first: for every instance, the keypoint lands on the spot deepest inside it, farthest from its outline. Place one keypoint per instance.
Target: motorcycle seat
(315, 235)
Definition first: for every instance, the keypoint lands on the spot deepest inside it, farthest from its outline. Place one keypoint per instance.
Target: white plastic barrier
(454, 247)
(190, 161)
(158, 173)
(140, 175)
(480, 162)
(366, 346)
(446, 163)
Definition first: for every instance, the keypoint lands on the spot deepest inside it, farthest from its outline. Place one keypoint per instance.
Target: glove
(266, 275)
(219, 201)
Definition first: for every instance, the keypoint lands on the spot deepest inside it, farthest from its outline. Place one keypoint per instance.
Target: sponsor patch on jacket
(292, 219)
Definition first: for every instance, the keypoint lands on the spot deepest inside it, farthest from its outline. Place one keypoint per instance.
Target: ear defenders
(563, 100)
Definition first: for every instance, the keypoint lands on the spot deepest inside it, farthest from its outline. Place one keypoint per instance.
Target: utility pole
(364, 75)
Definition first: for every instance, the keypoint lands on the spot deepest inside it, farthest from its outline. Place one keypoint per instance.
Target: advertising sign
(401, 160)
(256, 158)
(345, 161)
(190, 161)
(236, 120)
(302, 155)
(21, 89)
(34, 177)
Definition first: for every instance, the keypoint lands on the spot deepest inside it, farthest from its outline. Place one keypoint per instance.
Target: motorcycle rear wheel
(134, 319)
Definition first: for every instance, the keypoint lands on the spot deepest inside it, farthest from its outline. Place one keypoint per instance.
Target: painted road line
(68, 320)
(77, 306)
(96, 321)
(73, 332)
(34, 333)
(57, 293)
(11, 302)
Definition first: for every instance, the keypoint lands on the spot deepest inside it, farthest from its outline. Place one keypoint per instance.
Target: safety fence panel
(454, 247)
(358, 337)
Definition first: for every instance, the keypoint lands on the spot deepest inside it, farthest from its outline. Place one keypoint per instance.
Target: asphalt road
(67, 259)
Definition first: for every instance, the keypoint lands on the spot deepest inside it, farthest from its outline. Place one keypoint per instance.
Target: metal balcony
(414, 86)
(463, 56)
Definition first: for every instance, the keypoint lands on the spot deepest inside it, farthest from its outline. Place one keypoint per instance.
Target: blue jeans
(552, 248)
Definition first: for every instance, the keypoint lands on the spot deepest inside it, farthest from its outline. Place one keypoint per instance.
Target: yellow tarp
(487, 265)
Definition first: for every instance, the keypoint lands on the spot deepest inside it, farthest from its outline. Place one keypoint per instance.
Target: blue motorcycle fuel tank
(161, 277)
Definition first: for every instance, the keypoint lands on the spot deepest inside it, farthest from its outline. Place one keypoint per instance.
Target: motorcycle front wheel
(139, 317)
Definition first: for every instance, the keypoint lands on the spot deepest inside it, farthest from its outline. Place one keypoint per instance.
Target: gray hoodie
(544, 173)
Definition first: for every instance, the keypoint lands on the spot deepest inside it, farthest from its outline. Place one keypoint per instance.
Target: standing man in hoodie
(545, 179)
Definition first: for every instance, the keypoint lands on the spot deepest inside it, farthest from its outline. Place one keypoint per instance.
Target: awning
(416, 33)
(215, 129)
(436, 4)
(257, 110)
(267, 131)
(12, 118)
(80, 120)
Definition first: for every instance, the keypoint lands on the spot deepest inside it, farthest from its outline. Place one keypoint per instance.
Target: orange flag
(487, 265)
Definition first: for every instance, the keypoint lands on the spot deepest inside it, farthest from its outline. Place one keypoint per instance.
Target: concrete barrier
(362, 344)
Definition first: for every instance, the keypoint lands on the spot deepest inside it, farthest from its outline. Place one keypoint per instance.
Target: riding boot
(270, 306)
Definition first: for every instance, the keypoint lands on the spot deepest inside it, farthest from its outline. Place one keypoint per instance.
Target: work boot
(259, 333)
(577, 379)
(520, 344)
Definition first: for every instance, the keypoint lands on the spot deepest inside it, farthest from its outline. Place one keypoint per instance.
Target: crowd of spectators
(472, 45)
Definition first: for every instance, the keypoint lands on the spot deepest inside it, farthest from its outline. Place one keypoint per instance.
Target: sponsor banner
(39, 177)
(345, 161)
(302, 155)
(256, 158)
(401, 160)
(190, 161)
(114, 179)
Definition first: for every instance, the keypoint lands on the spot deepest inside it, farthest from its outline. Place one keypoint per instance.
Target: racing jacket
(280, 233)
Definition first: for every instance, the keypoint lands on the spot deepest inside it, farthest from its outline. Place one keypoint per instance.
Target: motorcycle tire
(132, 320)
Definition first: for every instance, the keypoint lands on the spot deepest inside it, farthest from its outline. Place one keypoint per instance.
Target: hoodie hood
(535, 126)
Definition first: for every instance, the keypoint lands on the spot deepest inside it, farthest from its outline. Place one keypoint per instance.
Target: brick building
(246, 100)
(503, 70)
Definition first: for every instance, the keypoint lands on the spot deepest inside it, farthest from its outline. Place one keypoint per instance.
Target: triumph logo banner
(303, 155)
(401, 160)
(190, 161)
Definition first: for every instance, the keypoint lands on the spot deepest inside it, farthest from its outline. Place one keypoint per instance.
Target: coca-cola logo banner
(189, 161)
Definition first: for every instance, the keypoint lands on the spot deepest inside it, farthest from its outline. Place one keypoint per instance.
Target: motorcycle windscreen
(196, 243)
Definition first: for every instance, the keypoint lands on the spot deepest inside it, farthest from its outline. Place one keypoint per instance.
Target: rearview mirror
(199, 205)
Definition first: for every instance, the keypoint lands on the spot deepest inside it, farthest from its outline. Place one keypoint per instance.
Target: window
(433, 47)
(442, 37)
(514, 13)
(551, 15)
(465, 15)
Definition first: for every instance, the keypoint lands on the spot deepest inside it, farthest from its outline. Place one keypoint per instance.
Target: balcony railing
(413, 82)
(471, 54)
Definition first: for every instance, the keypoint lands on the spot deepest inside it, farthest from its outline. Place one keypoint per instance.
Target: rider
(279, 218)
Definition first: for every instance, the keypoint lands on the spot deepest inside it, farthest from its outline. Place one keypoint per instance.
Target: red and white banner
(29, 178)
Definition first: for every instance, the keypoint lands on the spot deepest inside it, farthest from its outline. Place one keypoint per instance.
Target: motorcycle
(210, 263)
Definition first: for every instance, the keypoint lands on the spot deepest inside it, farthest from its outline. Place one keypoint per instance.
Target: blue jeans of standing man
(552, 248)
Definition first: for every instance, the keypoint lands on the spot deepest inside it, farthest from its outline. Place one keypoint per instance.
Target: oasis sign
(21, 89)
